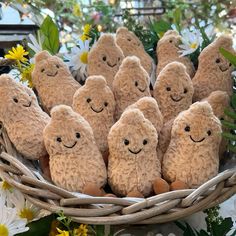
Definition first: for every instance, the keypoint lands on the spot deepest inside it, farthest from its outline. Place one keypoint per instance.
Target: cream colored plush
(219, 101)
(130, 84)
(95, 102)
(214, 71)
(173, 90)
(53, 81)
(75, 161)
(168, 51)
(105, 58)
(22, 118)
(133, 163)
(132, 46)
(193, 154)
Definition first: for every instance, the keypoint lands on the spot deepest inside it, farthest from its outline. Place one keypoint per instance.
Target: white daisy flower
(35, 45)
(79, 59)
(25, 209)
(6, 193)
(210, 31)
(10, 225)
(191, 40)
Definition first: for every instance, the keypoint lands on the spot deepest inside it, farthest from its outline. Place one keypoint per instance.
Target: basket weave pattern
(170, 206)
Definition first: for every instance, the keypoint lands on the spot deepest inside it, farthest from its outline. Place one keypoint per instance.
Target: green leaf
(228, 55)
(177, 14)
(223, 228)
(230, 114)
(232, 148)
(228, 124)
(180, 225)
(160, 27)
(51, 35)
(203, 233)
(233, 100)
(233, 234)
(40, 227)
(231, 137)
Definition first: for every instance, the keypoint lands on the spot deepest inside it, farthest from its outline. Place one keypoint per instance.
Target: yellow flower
(81, 231)
(77, 10)
(86, 32)
(26, 75)
(18, 54)
(62, 232)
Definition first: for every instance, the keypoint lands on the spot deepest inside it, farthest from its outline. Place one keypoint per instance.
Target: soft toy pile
(114, 130)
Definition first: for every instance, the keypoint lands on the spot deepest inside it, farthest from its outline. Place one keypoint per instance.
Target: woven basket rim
(85, 209)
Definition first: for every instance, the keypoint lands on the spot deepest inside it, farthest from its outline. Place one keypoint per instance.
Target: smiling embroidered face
(197, 125)
(105, 58)
(130, 83)
(133, 136)
(68, 132)
(173, 90)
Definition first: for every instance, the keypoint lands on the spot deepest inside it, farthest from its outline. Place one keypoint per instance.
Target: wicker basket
(162, 208)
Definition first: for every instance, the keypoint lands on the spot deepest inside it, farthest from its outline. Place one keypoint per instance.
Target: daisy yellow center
(26, 213)
(193, 45)
(84, 57)
(3, 230)
(6, 186)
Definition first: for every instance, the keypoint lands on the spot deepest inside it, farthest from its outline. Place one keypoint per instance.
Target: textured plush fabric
(75, 161)
(193, 154)
(133, 163)
(132, 46)
(105, 58)
(130, 84)
(214, 71)
(96, 103)
(219, 101)
(22, 117)
(53, 81)
(168, 51)
(173, 90)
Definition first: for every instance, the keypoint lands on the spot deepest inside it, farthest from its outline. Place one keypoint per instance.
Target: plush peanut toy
(173, 90)
(75, 161)
(22, 118)
(130, 84)
(133, 165)
(105, 58)
(219, 101)
(214, 71)
(95, 102)
(168, 51)
(192, 157)
(53, 81)
(132, 46)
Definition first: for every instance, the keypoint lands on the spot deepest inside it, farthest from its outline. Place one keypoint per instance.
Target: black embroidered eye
(218, 60)
(58, 66)
(77, 135)
(222, 118)
(136, 83)
(15, 100)
(230, 64)
(89, 100)
(185, 90)
(59, 139)
(42, 70)
(105, 104)
(126, 142)
(118, 58)
(209, 132)
(129, 39)
(187, 128)
(168, 88)
(104, 58)
(145, 141)
(171, 41)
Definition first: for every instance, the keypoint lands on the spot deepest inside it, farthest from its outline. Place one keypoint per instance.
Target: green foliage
(216, 225)
(228, 55)
(50, 33)
(40, 227)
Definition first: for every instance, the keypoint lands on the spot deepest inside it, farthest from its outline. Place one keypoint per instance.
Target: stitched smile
(176, 100)
(110, 64)
(223, 69)
(70, 146)
(196, 141)
(141, 90)
(135, 152)
(97, 111)
(52, 75)
(27, 105)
